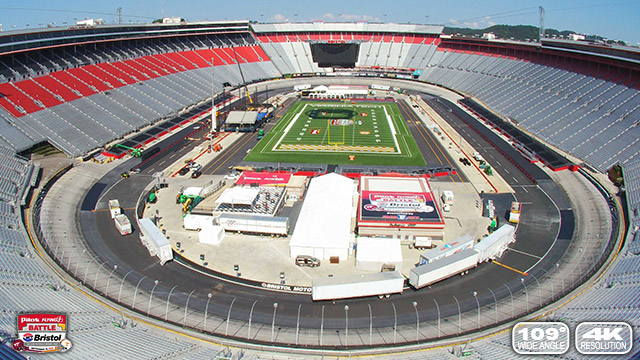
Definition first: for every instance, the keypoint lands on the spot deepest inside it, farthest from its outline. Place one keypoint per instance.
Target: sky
(611, 19)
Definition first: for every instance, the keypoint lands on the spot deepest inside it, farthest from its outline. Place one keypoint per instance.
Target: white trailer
(155, 241)
(380, 87)
(122, 224)
(433, 272)
(272, 225)
(114, 208)
(462, 243)
(353, 286)
(494, 245)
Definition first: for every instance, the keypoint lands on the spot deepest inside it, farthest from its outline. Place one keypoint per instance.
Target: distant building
(171, 20)
(489, 36)
(576, 37)
(90, 22)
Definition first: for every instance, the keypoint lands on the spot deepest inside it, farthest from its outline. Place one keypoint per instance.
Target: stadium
(335, 142)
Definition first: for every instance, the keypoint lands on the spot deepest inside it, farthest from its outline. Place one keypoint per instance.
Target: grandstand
(566, 99)
(83, 101)
(79, 97)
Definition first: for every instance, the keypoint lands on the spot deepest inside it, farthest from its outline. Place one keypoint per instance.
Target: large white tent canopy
(323, 229)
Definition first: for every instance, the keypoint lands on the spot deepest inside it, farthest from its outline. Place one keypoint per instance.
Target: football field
(339, 132)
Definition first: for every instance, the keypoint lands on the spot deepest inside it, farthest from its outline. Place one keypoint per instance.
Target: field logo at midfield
(365, 132)
(41, 332)
(341, 122)
(314, 132)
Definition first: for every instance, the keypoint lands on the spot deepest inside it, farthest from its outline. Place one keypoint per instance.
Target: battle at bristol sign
(42, 332)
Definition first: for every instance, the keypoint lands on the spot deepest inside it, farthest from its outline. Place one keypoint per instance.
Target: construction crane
(134, 152)
(246, 89)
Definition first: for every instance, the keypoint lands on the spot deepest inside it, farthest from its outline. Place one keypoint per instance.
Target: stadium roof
(354, 27)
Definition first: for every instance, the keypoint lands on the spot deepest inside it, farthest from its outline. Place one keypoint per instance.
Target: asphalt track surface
(540, 224)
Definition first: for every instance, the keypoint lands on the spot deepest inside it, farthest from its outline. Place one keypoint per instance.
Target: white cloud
(279, 17)
(328, 16)
(453, 21)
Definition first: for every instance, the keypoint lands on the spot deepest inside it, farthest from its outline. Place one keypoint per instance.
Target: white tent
(324, 225)
(371, 253)
(211, 234)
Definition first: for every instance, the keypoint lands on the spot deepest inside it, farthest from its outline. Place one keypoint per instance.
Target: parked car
(232, 176)
(196, 167)
(183, 171)
(306, 260)
(196, 174)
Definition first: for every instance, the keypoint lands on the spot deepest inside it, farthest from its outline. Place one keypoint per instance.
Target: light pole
(346, 325)
(122, 283)
(415, 307)
(166, 310)
(539, 291)
(226, 329)
(273, 321)
(370, 323)
(86, 271)
(250, 315)
(78, 262)
(321, 324)
(551, 283)
(213, 103)
(95, 281)
(206, 311)
(186, 308)
(106, 292)
(395, 322)
(511, 296)
(298, 324)
(438, 309)
(155, 283)
(133, 306)
(475, 295)
(459, 315)
(70, 257)
(526, 293)
(495, 303)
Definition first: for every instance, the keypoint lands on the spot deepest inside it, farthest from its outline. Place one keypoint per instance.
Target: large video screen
(335, 55)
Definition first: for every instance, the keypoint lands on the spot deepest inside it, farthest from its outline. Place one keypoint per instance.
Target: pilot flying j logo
(42, 332)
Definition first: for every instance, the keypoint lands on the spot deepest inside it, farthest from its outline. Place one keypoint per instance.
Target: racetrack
(547, 224)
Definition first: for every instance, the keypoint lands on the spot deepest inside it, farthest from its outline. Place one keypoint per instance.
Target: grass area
(321, 132)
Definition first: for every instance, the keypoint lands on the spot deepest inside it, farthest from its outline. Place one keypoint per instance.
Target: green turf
(329, 132)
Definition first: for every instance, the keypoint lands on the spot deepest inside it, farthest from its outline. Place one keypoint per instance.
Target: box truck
(114, 208)
(122, 224)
